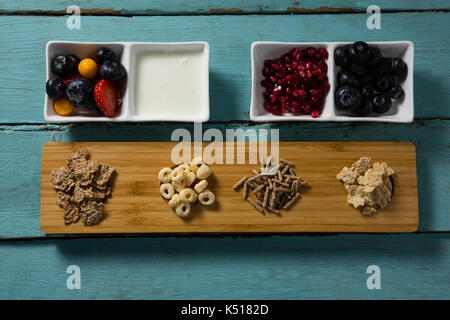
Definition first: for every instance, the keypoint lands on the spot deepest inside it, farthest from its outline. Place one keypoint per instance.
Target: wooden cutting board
(136, 205)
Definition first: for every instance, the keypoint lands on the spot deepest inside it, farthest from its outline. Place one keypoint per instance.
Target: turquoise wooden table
(299, 266)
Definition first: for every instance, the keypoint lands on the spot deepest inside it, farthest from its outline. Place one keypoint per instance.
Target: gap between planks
(213, 12)
(207, 235)
(60, 126)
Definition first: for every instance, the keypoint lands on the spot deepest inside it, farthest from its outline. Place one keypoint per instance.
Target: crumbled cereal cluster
(185, 185)
(369, 185)
(82, 188)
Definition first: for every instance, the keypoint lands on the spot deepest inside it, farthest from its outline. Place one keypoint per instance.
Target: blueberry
(366, 79)
(368, 91)
(75, 60)
(375, 56)
(55, 88)
(61, 65)
(345, 78)
(398, 66)
(341, 56)
(396, 92)
(358, 69)
(112, 70)
(359, 52)
(365, 108)
(382, 67)
(347, 98)
(384, 82)
(80, 92)
(382, 103)
(105, 54)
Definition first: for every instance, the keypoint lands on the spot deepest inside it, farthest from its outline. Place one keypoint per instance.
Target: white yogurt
(170, 85)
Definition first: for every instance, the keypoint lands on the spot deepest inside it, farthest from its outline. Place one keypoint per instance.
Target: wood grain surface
(137, 207)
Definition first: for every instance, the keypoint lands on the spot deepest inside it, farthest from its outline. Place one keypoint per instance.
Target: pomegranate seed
(323, 66)
(314, 92)
(277, 90)
(313, 100)
(315, 113)
(323, 53)
(307, 108)
(311, 51)
(267, 63)
(275, 66)
(273, 98)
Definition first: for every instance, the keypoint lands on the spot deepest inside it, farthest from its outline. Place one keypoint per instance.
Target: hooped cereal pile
(185, 185)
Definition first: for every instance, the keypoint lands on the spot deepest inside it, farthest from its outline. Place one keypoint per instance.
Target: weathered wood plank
(20, 161)
(330, 267)
(22, 79)
(161, 7)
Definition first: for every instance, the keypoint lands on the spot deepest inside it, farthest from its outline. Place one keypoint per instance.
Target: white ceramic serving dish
(127, 52)
(401, 111)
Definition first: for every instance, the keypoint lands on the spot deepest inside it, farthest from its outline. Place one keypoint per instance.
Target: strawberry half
(107, 97)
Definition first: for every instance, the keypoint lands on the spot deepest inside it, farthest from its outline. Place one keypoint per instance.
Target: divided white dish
(401, 111)
(127, 52)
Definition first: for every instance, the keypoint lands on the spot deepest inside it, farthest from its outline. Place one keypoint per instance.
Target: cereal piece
(290, 202)
(62, 179)
(259, 188)
(198, 161)
(203, 172)
(183, 209)
(272, 210)
(188, 195)
(201, 186)
(206, 198)
(104, 175)
(166, 190)
(84, 172)
(78, 195)
(189, 179)
(164, 175)
(239, 183)
(290, 164)
(177, 175)
(184, 167)
(245, 192)
(281, 183)
(273, 197)
(193, 168)
(175, 201)
(255, 205)
(92, 213)
(80, 156)
(178, 186)
(266, 197)
(71, 214)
